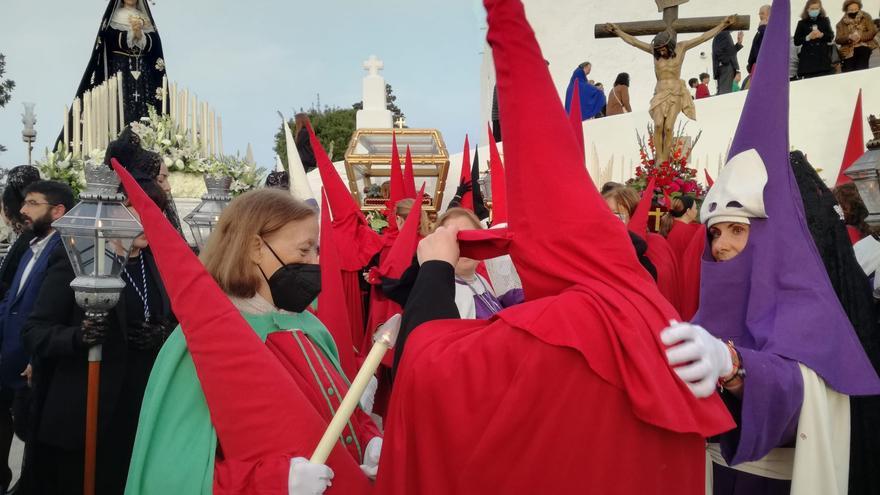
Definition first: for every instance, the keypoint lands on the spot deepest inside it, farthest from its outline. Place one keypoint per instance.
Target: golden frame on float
(368, 158)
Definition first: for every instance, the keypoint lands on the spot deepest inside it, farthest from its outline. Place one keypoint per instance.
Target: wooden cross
(657, 213)
(671, 20)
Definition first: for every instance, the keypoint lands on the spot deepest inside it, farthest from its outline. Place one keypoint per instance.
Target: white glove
(368, 398)
(371, 457)
(306, 478)
(702, 357)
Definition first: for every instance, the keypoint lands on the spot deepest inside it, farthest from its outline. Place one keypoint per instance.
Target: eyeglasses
(31, 202)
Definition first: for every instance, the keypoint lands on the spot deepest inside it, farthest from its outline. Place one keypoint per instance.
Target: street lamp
(205, 216)
(97, 234)
(865, 173)
(29, 134)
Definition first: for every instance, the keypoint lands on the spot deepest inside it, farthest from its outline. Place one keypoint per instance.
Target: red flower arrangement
(672, 178)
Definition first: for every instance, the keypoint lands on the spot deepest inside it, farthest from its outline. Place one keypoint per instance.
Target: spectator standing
(703, 87)
(855, 36)
(763, 19)
(618, 100)
(724, 60)
(303, 141)
(814, 36)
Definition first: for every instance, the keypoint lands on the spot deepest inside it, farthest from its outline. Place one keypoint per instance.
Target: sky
(251, 59)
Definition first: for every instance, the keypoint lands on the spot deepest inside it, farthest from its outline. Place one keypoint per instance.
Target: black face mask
(293, 286)
(852, 15)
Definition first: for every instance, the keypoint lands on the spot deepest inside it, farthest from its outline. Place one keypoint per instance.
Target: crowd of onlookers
(817, 49)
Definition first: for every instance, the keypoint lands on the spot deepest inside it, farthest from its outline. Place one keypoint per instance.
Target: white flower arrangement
(160, 134)
(244, 175)
(61, 165)
(160, 64)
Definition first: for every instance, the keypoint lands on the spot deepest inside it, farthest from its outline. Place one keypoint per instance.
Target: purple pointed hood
(775, 296)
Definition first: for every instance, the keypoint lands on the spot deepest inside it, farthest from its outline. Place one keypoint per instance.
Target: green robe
(175, 444)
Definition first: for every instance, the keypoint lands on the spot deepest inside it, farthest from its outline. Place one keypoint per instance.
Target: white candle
(384, 339)
(194, 127)
(114, 119)
(87, 123)
(122, 122)
(172, 102)
(205, 128)
(164, 95)
(77, 127)
(219, 135)
(66, 128)
(185, 108)
(212, 128)
(102, 116)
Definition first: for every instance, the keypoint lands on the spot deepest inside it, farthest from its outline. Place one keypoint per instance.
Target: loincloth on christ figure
(669, 93)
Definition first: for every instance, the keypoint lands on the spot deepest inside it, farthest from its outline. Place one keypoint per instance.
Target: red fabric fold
(332, 307)
(499, 186)
(855, 143)
(409, 179)
(574, 116)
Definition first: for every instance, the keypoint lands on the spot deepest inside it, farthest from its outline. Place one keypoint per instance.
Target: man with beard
(44, 202)
(58, 336)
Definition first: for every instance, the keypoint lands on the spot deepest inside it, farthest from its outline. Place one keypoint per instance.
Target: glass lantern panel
(105, 219)
(869, 190)
(94, 256)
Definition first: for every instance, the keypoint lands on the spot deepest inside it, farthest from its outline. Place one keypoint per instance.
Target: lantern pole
(98, 234)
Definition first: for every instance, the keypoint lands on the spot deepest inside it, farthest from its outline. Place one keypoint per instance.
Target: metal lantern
(865, 173)
(205, 216)
(98, 234)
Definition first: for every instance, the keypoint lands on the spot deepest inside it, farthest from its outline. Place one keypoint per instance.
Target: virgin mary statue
(128, 43)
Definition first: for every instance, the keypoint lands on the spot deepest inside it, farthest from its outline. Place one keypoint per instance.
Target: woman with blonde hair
(263, 256)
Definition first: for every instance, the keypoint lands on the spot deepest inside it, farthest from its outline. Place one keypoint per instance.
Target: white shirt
(37, 246)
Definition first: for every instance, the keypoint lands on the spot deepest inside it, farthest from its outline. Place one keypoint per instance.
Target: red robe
(668, 273)
(324, 389)
(564, 394)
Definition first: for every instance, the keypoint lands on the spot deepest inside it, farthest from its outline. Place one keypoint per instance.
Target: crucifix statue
(671, 95)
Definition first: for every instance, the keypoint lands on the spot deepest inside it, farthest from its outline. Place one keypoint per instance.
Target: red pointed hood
(404, 248)
(230, 359)
(709, 181)
(855, 144)
(574, 116)
(398, 190)
(582, 240)
(357, 243)
(499, 187)
(332, 308)
(409, 179)
(638, 224)
(467, 201)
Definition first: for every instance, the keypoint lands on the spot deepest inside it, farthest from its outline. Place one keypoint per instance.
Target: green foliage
(6, 87)
(334, 127)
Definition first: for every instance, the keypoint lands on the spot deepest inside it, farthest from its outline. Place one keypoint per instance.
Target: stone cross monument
(375, 114)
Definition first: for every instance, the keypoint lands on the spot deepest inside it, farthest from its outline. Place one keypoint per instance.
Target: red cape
(547, 397)
(668, 272)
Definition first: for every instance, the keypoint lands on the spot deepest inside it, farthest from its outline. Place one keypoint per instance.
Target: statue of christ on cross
(671, 95)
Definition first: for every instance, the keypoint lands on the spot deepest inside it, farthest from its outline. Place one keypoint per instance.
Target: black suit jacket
(60, 363)
(724, 53)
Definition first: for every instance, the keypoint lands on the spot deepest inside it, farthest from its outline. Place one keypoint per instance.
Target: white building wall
(564, 29)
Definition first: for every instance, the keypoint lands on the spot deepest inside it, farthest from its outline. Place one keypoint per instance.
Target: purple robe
(774, 300)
